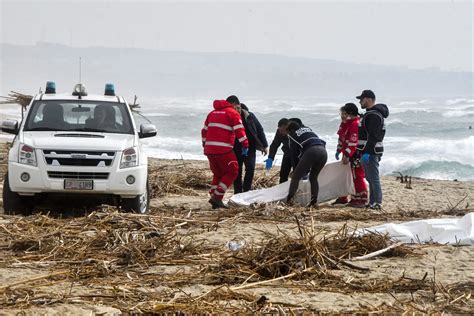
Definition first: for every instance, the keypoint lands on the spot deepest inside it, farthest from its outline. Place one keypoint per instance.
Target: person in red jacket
(347, 145)
(222, 126)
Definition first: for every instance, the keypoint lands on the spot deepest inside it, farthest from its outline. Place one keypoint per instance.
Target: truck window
(79, 115)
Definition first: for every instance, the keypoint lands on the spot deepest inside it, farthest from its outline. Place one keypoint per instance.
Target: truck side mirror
(10, 127)
(147, 130)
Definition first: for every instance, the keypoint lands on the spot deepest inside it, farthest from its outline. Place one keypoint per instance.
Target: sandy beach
(178, 258)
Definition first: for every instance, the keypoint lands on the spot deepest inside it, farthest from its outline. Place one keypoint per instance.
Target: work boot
(340, 201)
(356, 203)
(313, 203)
(375, 206)
(217, 203)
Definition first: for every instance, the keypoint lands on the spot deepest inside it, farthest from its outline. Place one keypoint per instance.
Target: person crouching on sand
(347, 147)
(222, 126)
(311, 150)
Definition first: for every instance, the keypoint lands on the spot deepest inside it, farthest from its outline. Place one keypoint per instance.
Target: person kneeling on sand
(222, 126)
(347, 146)
(311, 151)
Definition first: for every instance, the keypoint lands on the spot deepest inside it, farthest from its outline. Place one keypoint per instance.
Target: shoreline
(259, 166)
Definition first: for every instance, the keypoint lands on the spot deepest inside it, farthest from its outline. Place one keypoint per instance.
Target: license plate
(78, 184)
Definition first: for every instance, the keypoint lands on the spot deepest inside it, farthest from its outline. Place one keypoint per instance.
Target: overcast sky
(416, 34)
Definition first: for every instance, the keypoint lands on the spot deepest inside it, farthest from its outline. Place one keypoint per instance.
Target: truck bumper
(40, 182)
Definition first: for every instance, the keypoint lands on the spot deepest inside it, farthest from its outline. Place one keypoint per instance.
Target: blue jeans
(372, 175)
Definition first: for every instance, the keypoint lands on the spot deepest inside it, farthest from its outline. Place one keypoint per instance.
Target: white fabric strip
(223, 126)
(219, 144)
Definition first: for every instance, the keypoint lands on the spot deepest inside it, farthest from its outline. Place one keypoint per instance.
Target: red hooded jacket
(348, 137)
(221, 128)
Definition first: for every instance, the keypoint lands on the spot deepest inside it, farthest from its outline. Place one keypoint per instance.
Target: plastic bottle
(234, 245)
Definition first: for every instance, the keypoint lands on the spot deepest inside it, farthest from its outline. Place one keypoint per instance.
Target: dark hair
(243, 106)
(233, 100)
(293, 126)
(297, 120)
(351, 109)
(282, 122)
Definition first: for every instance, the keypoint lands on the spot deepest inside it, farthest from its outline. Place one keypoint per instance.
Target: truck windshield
(79, 115)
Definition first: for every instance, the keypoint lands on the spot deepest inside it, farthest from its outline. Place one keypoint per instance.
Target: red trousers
(225, 169)
(360, 197)
(358, 175)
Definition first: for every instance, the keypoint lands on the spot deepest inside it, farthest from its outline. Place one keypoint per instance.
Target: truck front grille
(78, 175)
(79, 158)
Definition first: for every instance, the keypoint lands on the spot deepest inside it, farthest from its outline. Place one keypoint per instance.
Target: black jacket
(277, 141)
(372, 130)
(254, 131)
(300, 140)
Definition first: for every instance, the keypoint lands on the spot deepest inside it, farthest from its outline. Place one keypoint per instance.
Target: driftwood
(376, 253)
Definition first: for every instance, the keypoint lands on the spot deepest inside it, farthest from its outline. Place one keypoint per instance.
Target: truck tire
(13, 203)
(139, 204)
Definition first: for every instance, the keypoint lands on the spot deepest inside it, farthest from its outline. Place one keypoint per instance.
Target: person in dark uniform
(310, 151)
(279, 139)
(257, 141)
(370, 145)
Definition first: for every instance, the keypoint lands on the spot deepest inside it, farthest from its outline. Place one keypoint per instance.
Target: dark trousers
(249, 163)
(285, 168)
(312, 161)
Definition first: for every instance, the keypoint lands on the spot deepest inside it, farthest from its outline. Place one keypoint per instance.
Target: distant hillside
(158, 73)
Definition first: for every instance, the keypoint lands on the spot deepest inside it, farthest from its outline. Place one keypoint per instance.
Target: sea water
(430, 138)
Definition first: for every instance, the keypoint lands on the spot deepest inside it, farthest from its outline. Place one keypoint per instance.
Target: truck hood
(79, 140)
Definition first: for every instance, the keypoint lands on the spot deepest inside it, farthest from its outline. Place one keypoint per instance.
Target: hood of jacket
(381, 108)
(351, 120)
(221, 104)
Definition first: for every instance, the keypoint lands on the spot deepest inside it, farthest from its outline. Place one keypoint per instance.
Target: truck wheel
(13, 203)
(138, 204)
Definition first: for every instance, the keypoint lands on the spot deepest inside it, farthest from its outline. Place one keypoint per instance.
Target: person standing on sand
(370, 145)
(222, 126)
(303, 142)
(257, 140)
(347, 146)
(278, 140)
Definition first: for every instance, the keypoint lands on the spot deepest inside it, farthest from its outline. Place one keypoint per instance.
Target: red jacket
(348, 137)
(221, 128)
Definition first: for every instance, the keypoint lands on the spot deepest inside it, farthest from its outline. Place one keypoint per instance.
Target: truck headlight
(129, 158)
(27, 155)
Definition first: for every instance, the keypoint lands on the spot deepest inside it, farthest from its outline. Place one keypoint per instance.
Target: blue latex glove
(245, 152)
(365, 158)
(268, 163)
(337, 155)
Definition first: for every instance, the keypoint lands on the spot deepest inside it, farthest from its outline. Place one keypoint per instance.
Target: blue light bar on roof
(50, 87)
(109, 89)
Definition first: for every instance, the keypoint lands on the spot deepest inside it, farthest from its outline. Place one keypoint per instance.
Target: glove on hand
(245, 152)
(268, 163)
(365, 158)
(337, 155)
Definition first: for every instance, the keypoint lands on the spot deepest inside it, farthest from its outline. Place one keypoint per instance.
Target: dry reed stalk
(17, 98)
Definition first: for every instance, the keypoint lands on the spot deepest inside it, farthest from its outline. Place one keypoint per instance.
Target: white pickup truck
(78, 149)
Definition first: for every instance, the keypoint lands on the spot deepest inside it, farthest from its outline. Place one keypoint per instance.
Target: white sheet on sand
(334, 180)
(440, 230)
